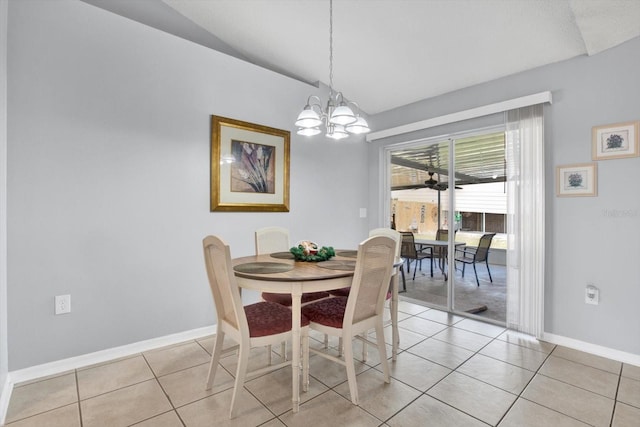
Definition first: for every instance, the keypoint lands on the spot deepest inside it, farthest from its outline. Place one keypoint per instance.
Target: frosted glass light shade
(308, 118)
(342, 115)
(308, 131)
(337, 132)
(359, 126)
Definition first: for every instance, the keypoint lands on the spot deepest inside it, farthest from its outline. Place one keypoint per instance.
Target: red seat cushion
(269, 318)
(285, 299)
(328, 312)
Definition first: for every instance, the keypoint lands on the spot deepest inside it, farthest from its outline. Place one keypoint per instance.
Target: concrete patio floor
(468, 296)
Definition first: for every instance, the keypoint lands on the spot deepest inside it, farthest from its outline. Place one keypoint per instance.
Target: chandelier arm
(318, 102)
(357, 109)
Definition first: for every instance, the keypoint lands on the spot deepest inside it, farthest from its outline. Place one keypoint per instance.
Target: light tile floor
(451, 371)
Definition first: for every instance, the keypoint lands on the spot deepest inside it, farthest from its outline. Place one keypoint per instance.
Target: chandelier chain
(337, 117)
(330, 46)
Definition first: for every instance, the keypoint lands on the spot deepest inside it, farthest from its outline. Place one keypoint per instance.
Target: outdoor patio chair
(473, 256)
(410, 253)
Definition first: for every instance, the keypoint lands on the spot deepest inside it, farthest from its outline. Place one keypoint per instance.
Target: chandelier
(337, 117)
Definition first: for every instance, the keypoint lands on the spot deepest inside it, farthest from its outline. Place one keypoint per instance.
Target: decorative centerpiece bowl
(307, 250)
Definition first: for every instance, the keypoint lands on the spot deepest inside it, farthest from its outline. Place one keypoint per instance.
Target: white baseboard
(620, 356)
(64, 365)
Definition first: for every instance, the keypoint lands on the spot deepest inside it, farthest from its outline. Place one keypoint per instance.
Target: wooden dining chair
(256, 325)
(276, 239)
(397, 237)
(344, 292)
(272, 239)
(351, 317)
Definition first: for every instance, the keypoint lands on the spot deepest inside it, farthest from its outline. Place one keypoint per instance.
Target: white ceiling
(389, 53)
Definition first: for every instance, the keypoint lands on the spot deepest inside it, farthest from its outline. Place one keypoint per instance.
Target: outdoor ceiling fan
(433, 184)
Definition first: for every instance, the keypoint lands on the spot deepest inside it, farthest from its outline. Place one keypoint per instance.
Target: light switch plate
(62, 304)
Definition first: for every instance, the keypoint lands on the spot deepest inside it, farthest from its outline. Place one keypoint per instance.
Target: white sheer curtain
(525, 219)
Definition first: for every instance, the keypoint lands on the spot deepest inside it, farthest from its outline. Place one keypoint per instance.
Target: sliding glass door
(450, 193)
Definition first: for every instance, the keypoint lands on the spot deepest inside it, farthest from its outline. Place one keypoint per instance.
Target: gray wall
(108, 169)
(4, 364)
(589, 239)
(108, 177)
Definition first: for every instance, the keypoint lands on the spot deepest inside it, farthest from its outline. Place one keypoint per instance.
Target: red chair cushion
(328, 312)
(269, 318)
(285, 299)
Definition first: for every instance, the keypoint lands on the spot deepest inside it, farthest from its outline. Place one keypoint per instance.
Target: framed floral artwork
(576, 180)
(615, 141)
(249, 167)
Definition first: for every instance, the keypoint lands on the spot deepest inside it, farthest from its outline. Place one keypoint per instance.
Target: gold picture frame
(577, 180)
(615, 141)
(249, 167)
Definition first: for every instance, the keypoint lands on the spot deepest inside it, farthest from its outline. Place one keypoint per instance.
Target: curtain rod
(485, 110)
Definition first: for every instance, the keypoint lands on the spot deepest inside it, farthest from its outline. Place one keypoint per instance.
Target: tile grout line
(615, 398)
(519, 395)
(155, 376)
(424, 393)
(75, 373)
(536, 403)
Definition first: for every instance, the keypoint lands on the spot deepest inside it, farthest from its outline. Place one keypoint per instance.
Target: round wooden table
(279, 273)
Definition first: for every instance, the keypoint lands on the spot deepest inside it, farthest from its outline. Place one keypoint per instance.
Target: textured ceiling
(389, 53)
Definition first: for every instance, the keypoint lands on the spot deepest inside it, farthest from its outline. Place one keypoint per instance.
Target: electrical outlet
(62, 304)
(592, 295)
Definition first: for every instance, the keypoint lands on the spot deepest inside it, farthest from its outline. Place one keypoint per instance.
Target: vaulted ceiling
(390, 53)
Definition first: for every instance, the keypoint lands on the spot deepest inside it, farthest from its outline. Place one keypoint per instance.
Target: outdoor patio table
(440, 245)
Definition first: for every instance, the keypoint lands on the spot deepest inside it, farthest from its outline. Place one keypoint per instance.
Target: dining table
(280, 272)
(437, 245)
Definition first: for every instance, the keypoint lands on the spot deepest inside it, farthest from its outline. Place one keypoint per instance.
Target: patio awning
(479, 159)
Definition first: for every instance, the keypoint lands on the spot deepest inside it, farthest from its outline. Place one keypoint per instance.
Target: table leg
(296, 307)
(395, 337)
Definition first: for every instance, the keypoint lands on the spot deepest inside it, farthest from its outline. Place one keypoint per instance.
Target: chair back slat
(272, 239)
(222, 281)
(373, 271)
(483, 247)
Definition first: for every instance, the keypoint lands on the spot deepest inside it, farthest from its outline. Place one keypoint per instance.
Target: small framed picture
(576, 180)
(615, 141)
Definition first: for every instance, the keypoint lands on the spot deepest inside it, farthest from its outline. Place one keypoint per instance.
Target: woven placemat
(348, 254)
(282, 255)
(338, 265)
(263, 267)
